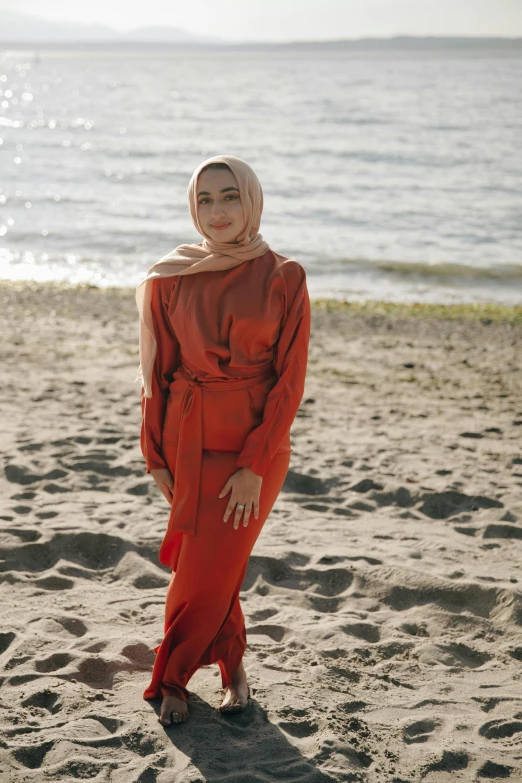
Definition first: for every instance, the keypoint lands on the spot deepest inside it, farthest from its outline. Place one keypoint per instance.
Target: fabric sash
(187, 478)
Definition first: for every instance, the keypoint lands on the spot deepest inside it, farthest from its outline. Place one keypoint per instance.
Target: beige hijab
(209, 256)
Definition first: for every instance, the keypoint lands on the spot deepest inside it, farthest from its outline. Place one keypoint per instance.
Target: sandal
(233, 709)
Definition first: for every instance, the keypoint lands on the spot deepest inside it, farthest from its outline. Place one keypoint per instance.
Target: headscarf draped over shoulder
(208, 256)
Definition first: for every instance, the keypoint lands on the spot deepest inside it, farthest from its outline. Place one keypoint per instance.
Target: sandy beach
(383, 598)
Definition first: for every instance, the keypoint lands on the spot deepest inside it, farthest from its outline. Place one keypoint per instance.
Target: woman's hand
(164, 480)
(246, 488)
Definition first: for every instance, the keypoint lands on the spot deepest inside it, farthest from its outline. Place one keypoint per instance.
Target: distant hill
(21, 29)
(416, 42)
(157, 34)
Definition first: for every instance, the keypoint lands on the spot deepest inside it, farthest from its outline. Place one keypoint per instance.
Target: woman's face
(220, 211)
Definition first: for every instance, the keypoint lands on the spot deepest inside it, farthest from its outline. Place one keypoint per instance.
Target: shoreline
(485, 312)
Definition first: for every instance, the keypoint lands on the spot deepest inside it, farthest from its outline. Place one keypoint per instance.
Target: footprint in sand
(351, 746)
(90, 550)
(31, 447)
(139, 489)
(97, 671)
(96, 647)
(361, 505)
(140, 654)
(275, 633)
(456, 655)
(450, 761)
(315, 507)
(263, 614)
(6, 639)
(96, 463)
(307, 485)
(328, 582)
(325, 605)
(441, 505)
(46, 699)
(366, 631)
(32, 756)
(140, 573)
(53, 662)
(333, 559)
(297, 722)
(352, 706)
(493, 770)
(299, 728)
(21, 679)
(19, 474)
(502, 531)
(25, 534)
(502, 729)
(365, 486)
(54, 489)
(414, 629)
(92, 727)
(43, 758)
(54, 582)
(419, 730)
(403, 590)
(59, 626)
(345, 512)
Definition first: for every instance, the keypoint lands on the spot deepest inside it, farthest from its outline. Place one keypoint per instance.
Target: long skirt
(204, 623)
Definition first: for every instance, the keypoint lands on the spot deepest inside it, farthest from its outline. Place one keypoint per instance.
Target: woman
(224, 331)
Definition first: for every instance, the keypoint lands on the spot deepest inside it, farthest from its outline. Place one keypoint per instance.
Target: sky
(292, 19)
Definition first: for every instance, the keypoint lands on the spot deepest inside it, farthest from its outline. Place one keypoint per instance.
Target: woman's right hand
(165, 482)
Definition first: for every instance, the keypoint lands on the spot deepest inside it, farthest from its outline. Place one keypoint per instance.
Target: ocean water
(389, 176)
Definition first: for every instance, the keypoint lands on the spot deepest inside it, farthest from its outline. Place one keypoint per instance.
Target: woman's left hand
(246, 488)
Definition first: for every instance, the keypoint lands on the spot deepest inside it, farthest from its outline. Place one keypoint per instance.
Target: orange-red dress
(229, 374)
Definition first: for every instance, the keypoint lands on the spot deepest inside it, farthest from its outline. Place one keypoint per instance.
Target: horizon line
(223, 43)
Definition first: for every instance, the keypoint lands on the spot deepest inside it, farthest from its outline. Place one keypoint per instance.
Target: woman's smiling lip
(220, 226)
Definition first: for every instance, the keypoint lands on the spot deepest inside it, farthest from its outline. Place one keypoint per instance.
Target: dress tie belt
(187, 480)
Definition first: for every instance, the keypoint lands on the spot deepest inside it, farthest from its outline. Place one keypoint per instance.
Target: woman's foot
(237, 692)
(173, 710)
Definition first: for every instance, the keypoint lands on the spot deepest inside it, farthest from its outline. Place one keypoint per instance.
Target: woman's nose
(217, 210)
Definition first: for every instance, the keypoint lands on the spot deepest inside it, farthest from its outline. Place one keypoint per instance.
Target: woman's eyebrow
(224, 190)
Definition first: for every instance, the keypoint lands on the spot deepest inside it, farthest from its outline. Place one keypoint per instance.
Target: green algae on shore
(486, 313)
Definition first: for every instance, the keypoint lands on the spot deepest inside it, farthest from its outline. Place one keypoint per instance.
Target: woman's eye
(232, 196)
(203, 201)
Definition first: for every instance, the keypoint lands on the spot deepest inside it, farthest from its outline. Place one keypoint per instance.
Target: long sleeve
(290, 362)
(165, 363)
